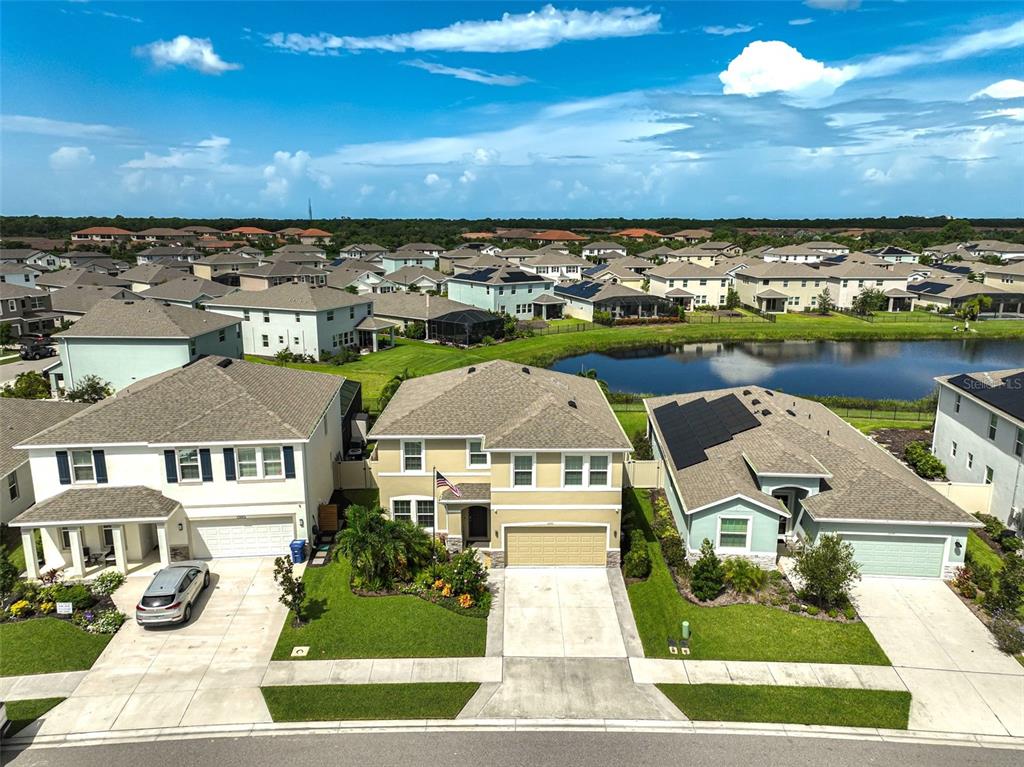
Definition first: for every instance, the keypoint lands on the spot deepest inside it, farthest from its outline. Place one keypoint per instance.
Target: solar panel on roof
(1008, 396)
(678, 438)
(735, 417)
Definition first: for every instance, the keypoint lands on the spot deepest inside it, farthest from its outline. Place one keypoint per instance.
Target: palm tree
(382, 550)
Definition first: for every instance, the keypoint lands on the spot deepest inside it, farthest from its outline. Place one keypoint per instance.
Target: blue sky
(820, 108)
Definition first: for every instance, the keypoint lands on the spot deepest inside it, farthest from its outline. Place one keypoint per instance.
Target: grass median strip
(47, 645)
(827, 706)
(337, 702)
(22, 713)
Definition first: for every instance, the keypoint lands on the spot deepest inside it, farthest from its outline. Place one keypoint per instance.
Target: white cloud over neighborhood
(728, 31)
(190, 52)
(45, 126)
(1004, 89)
(531, 31)
(71, 158)
(467, 73)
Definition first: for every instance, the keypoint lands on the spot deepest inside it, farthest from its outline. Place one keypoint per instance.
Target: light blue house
(503, 290)
(122, 342)
(400, 259)
(753, 470)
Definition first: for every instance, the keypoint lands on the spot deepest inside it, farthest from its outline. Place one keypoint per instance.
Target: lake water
(874, 369)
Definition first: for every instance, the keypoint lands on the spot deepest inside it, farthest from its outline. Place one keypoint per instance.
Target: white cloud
(71, 158)
(1012, 113)
(728, 31)
(208, 154)
(183, 51)
(800, 22)
(467, 73)
(482, 156)
(1004, 89)
(770, 66)
(431, 179)
(44, 126)
(467, 177)
(531, 31)
(833, 5)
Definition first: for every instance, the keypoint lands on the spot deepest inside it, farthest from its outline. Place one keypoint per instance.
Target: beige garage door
(555, 546)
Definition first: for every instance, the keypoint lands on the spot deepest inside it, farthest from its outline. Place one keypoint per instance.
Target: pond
(872, 369)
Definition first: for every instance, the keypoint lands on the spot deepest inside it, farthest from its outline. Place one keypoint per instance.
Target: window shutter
(100, 462)
(289, 461)
(63, 467)
(229, 464)
(205, 465)
(172, 466)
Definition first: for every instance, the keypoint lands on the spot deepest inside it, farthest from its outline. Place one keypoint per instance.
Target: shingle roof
(18, 254)
(282, 268)
(229, 257)
(293, 296)
(500, 275)
(11, 290)
(187, 288)
(550, 258)
(413, 306)
(409, 274)
(79, 299)
(145, 319)
(214, 399)
(100, 504)
(153, 274)
(673, 270)
(23, 418)
(866, 483)
(79, 276)
(604, 245)
(512, 406)
(310, 250)
(469, 491)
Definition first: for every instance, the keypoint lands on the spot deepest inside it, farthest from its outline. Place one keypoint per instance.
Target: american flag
(440, 480)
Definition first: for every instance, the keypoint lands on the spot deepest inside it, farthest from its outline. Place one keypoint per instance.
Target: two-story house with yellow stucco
(536, 458)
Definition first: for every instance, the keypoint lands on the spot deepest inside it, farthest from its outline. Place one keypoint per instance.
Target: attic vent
(224, 363)
(791, 412)
(755, 402)
(572, 403)
(746, 392)
(471, 370)
(129, 302)
(766, 411)
(526, 370)
(769, 392)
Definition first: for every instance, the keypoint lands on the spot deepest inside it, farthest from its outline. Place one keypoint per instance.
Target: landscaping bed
(824, 706)
(896, 440)
(21, 713)
(751, 631)
(328, 703)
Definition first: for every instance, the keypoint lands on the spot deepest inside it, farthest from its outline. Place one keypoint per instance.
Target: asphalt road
(11, 370)
(515, 749)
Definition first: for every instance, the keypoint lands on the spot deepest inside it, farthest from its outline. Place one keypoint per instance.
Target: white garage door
(898, 555)
(242, 538)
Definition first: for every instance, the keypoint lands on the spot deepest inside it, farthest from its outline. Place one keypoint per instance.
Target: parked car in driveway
(36, 348)
(171, 594)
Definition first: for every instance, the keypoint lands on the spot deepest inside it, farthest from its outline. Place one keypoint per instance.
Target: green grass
(47, 645)
(982, 554)
(329, 703)
(632, 420)
(344, 625)
(22, 713)
(368, 498)
(736, 632)
(791, 705)
(419, 358)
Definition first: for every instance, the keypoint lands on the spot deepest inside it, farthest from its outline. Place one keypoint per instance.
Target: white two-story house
(220, 458)
(502, 290)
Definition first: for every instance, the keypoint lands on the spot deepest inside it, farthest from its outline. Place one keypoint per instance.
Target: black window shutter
(63, 467)
(205, 465)
(100, 462)
(171, 463)
(289, 461)
(229, 464)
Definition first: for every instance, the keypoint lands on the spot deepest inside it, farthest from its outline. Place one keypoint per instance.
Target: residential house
(793, 254)
(552, 236)
(161, 253)
(1007, 277)
(556, 266)
(895, 254)
(660, 253)
(250, 233)
(188, 290)
(272, 273)
(225, 267)
(93, 261)
(689, 285)
(418, 278)
(362, 250)
(21, 419)
(584, 298)
(603, 250)
(314, 237)
(220, 458)
(483, 247)
(448, 260)
(752, 470)
(75, 301)
(781, 287)
(146, 276)
(510, 257)
(107, 235)
(426, 248)
(399, 259)
(361, 278)
(693, 255)
(295, 316)
(27, 310)
(721, 248)
(288, 231)
(41, 259)
(1008, 251)
(953, 291)
(214, 245)
(78, 276)
(502, 290)
(307, 255)
(827, 246)
(692, 236)
(979, 436)
(443, 319)
(163, 234)
(536, 458)
(124, 341)
(639, 234)
(616, 274)
(510, 235)
(850, 278)
(202, 231)
(20, 274)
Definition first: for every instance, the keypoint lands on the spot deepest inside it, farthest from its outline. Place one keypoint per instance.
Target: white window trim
(92, 463)
(586, 472)
(719, 549)
(260, 475)
(414, 510)
(512, 471)
(199, 465)
(422, 471)
(485, 453)
(12, 485)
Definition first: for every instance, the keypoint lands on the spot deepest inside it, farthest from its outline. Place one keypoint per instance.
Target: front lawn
(22, 713)
(982, 554)
(344, 625)
(737, 632)
(886, 709)
(334, 702)
(47, 645)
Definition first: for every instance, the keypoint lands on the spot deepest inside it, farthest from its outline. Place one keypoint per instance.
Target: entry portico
(85, 530)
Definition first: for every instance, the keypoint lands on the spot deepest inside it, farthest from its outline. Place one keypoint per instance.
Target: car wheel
(188, 613)
(206, 580)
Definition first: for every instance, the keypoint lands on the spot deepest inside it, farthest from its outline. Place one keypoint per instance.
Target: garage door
(898, 555)
(242, 538)
(555, 546)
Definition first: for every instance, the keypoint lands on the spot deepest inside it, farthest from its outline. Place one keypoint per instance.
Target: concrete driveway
(207, 672)
(959, 679)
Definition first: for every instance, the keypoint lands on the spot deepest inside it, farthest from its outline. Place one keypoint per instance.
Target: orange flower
(465, 601)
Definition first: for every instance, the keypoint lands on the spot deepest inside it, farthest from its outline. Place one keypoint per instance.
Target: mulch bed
(896, 440)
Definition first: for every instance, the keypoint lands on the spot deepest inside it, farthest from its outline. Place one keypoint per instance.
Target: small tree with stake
(828, 569)
(293, 590)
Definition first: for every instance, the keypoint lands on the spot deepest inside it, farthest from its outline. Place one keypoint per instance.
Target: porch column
(161, 542)
(120, 554)
(373, 335)
(891, 300)
(77, 555)
(28, 545)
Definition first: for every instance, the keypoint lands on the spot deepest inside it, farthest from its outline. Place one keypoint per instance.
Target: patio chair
(109, 558)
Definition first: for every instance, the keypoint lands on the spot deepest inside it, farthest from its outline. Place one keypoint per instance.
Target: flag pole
(433, 527)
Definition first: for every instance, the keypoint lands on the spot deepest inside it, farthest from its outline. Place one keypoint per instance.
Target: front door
(785, 522)
(478, 523)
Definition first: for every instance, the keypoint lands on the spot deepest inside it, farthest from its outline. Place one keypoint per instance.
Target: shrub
(20, 609)
(642, 450)
(638, 559)
(795, 608)
(465, 573)
(77, 594)
(106, 583)
(1008, 595)
(743, 575)
(382, 550)
(1008, 632)
(833, 613)
(1011, 544)
(707, 576)
(828, 570)
(962, 579)
(992, 524)
(8, 574)
(968, 590)
(603, 318)
(812, 610)
(920, 459)
(673, 552)
(982, 577)
(106, 622)
(849, 613)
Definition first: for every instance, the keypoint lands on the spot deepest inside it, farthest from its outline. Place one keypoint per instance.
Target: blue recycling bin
(298, 547)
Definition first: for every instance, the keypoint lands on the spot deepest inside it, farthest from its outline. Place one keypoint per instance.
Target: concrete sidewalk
(33, 686)
(845, 676)
(383, 671)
